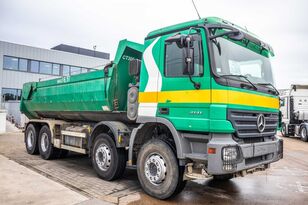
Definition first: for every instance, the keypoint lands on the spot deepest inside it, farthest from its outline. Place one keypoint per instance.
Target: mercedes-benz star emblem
(261, 123)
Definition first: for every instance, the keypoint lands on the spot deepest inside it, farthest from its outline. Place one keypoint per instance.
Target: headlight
(230, 156)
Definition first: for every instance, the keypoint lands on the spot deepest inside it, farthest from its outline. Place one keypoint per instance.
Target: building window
(34, 68)
(75, 70)
(84, 70)
(23, 64)
(56, 69)
(18, 94)
(10, 63)
(11, 94)
(91, 70)
(45, 68)
(66, 70)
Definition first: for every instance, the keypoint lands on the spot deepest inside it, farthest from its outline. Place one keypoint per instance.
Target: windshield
(234, 59)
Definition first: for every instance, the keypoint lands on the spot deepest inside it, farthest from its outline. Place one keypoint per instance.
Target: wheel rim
(283, 130)
(304, 133)
(30, 139)
(155, 169)
(103, 157)
(44, 142)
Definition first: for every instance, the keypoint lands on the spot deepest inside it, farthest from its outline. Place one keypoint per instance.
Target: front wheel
(158, 170)
(284, 131)
(108, 161)
(304, 134)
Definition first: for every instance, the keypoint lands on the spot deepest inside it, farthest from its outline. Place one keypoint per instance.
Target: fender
(119, 130)
(182, 144)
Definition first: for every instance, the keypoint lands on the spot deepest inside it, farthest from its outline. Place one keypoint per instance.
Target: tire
(223, 177)
(47, 150)
(284, 131)
(31, 139)
(304, 133)
(157, 156)
(112, 167)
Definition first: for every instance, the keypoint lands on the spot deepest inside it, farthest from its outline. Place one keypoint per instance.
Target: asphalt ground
(286, 182)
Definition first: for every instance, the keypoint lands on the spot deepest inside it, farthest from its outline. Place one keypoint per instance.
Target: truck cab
(213, 82)
(196, 100)
(294, 112)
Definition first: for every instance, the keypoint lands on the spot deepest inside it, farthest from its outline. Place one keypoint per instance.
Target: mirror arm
(196, 85)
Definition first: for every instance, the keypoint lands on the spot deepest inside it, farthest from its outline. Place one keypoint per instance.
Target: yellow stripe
(204, 96)
(242, 98)
(184, 96)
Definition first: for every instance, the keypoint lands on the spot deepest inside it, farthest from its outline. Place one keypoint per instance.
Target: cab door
(186, 106)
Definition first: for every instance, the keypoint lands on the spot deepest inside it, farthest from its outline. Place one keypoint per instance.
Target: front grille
(245, 123)
(251, 140)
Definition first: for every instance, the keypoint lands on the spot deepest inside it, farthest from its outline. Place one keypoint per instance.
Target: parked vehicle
(294, 110)
(195, 101)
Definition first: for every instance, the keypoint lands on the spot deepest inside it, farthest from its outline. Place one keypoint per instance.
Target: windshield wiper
(217, 44)
(241, 76)
(275, 92)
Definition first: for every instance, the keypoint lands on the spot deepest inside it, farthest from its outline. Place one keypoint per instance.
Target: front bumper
(249, 156)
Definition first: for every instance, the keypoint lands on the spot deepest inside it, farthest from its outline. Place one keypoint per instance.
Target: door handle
(164, 111)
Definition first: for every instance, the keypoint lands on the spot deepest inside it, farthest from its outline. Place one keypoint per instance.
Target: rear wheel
(46, 148)
(158, 170)
(304, 134)
(108, 161)
(31, 140)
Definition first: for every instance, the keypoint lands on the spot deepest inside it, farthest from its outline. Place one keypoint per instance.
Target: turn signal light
(211, 150)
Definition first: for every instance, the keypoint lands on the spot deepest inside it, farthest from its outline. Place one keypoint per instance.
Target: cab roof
(180, 26)
(204, 21)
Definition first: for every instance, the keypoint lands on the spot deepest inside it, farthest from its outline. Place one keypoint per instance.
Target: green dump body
(85, 97)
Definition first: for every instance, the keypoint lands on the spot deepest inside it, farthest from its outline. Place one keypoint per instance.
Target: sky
(85, 23)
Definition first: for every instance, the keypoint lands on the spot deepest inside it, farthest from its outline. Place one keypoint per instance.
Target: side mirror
(134, 67)
(188, 68)
(178, 39)
(189, 56)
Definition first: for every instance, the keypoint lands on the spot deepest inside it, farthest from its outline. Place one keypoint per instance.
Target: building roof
(81, 51)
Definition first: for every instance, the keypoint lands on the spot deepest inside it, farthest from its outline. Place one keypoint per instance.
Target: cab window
(175, 58)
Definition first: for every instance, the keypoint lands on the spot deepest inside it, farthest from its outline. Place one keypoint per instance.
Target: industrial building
(20, 64)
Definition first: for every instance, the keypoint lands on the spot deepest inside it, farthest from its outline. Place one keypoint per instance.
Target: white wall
(2, 121)
(12, 109)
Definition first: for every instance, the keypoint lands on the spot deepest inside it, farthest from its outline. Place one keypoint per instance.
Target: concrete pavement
(19, 185)
(286, 182)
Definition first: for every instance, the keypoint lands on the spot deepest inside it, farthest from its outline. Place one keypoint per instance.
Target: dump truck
(196, 100)
(294, 110)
